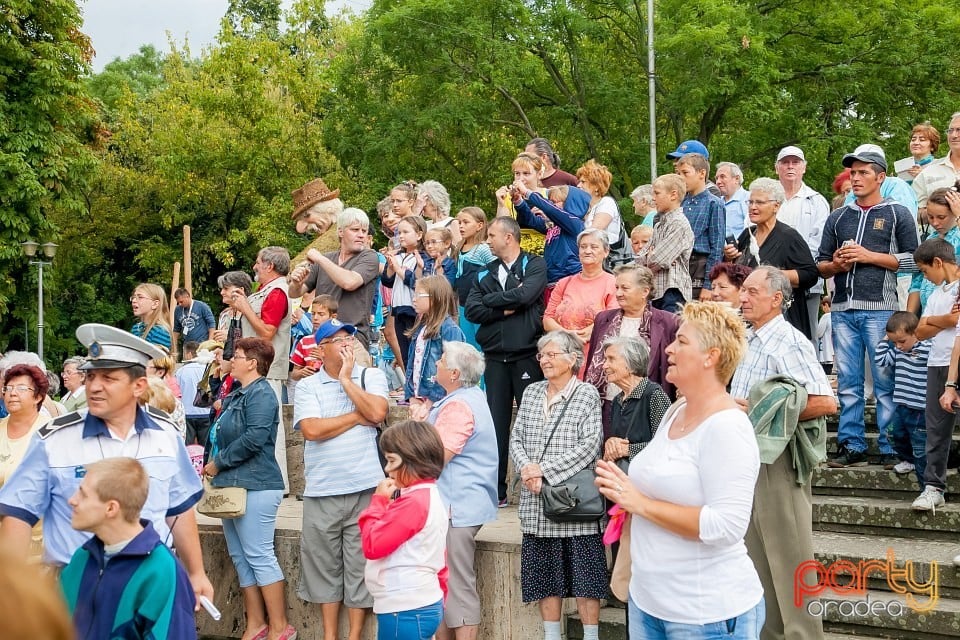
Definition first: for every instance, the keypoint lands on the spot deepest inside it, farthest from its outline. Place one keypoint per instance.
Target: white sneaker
(903, 468)
(929, 500)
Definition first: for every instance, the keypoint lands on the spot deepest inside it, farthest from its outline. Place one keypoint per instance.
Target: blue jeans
(746, 626)
(415, 624)
(909, 437)
(856, 333)
(250, 539)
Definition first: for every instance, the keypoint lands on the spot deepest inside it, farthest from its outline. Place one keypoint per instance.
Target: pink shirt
(576, 301)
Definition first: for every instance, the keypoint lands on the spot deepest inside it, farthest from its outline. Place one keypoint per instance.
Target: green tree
(219, 146)
(45, 122)
(140, 73)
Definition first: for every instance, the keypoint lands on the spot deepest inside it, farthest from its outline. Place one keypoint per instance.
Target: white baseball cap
(786, 152)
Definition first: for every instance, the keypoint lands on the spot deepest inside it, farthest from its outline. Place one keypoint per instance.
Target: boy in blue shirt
(123, 582)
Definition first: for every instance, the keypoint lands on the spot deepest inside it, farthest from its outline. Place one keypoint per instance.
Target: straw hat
(310, 194)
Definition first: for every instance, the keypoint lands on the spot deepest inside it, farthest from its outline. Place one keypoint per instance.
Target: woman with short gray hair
(636, 318)
(468, 483)
(641, 403)
(768, 241)
(433, 201)
(557, 434)
(577, 299)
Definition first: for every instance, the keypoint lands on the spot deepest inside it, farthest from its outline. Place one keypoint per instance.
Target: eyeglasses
(18, 389)
(340, 340)
(953, 130)
(138, 296)
(236, 357)
(759, 202)
(549, 355)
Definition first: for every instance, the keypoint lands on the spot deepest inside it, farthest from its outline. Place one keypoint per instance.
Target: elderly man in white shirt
(780, 534)
(805, 210)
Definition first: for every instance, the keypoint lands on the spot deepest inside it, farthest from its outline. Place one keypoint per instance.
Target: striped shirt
(910, 371)
(347, 463)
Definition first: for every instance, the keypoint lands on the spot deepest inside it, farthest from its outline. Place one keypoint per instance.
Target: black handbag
(576, 499)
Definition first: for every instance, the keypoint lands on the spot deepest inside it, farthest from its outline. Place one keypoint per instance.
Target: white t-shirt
(714, 466)
(940, 303)
(609, 206)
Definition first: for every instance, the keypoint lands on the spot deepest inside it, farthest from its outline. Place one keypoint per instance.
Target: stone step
(884, 517)
(924, 557)
(890, 617)
(873, 481)
(873, 449)
(869, 418)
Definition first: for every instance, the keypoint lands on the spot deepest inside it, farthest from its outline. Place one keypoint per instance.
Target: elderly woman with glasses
(73, 379)
(24, 389)
(468, 482)
(556, 434)
(770, 242)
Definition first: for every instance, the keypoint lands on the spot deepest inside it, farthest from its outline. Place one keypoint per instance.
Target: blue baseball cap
(689, 146)
(331, 327)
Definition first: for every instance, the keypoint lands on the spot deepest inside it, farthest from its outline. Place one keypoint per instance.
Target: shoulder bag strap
(563, 410)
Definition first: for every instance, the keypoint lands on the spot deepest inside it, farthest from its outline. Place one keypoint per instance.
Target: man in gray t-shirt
(349, 275)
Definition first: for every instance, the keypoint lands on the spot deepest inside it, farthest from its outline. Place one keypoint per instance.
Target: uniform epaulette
(67, 419)
(160, 415)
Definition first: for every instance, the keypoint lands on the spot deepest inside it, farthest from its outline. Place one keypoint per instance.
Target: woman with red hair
(24, 388)
(841, 187)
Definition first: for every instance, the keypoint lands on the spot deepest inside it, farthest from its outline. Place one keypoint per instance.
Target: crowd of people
(678, 374)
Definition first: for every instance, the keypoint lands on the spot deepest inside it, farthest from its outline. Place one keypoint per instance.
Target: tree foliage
(441, 89)
(46, 131)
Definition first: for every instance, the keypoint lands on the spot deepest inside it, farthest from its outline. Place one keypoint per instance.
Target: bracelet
(950, 385)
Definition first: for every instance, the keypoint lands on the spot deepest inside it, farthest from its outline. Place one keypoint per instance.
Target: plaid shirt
(667, 254)
(575, 445)
(777, 348)
(708, 219)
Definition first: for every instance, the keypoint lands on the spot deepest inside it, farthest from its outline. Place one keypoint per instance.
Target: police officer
(113, 424)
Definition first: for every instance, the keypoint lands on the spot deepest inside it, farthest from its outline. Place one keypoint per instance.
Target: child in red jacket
(404, 532)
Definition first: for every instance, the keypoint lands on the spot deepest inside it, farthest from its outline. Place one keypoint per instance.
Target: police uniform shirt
(53, 468)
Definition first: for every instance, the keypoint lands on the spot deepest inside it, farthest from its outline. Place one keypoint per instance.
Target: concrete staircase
(863, 514)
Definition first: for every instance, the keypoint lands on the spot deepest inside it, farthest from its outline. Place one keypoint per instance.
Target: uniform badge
(95, 350)
(79, 472)
(878, 224)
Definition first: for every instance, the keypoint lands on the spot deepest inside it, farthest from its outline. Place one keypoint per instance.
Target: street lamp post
(49, 250)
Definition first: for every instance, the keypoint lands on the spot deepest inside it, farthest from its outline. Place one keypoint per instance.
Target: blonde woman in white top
(691, 492)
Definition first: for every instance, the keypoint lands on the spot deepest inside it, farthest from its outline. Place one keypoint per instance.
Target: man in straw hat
(113, 425)
(315, 207)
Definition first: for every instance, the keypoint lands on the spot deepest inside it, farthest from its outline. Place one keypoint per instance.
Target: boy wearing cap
(113, 425)
(123, 582)
(338, 409)
(864, 244)
(708, 220)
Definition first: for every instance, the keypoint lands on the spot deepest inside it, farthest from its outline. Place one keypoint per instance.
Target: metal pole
(40, 309)
(651, 90)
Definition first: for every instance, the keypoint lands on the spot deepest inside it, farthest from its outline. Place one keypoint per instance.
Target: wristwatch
(951, 385)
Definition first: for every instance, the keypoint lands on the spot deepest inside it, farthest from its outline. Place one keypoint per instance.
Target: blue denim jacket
(449, 332)
(246, 439)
